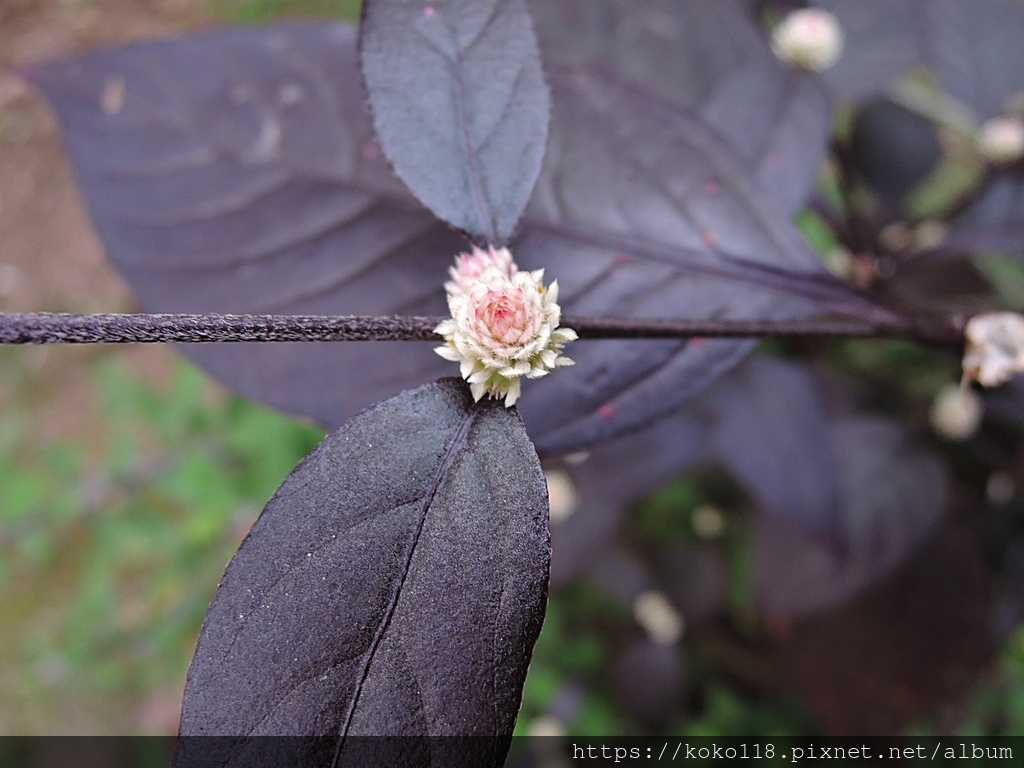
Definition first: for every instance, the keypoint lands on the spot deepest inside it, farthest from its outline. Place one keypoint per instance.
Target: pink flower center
(505, 317)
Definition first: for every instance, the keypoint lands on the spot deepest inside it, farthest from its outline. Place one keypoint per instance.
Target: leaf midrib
(452, 450)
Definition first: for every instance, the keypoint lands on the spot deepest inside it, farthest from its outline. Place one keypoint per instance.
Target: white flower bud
(576, 458)
(930, 233)
(1000, 488)
(546, 726)
(995, 348)
(659, 618)
(562, 497)
(896, 236)
(956, 412)
(810, 38)
(839, 261)
(504, 324)
(708, 522)
(1001, 140)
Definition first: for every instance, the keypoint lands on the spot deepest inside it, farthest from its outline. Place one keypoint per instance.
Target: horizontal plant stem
(53, 328)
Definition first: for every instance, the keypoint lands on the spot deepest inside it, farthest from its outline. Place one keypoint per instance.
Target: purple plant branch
(53, 328)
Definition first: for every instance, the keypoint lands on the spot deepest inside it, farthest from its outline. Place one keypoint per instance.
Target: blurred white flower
(930, 233)
(655, 613)
(995, 348)
(504, 324)
(1001, 140)
(546, 726)
(562, 496)
(708, 522)
(1000, 488)
(956, 412)
(809, 38)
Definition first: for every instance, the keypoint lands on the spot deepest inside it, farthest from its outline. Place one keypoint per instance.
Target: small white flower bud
(839, 261)
(659, 618)
(546, 726)
(504, 324)
(708, 522)
(995, 348)
(1001, 140)
(930, 234)
(576, 458)
(956, 412)
(810, 38)
(896, 236)
(1000, 488)
(562, 497)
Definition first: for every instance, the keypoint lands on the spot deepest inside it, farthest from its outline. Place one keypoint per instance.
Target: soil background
(51, 260)
(50, 257)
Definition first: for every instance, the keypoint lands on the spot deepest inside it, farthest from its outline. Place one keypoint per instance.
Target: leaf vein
(447, 460)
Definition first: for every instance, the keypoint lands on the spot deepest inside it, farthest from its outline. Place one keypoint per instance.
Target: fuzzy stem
(46, 328)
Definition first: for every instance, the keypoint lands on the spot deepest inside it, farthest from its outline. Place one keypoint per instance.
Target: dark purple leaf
(893, 148)
(995, 222)
(1007, 402)
(681, 49)
(394, 585)
(884, 39)
(945, 278)
(643, 212)
(711, 57)
(892, 495)
(609, 478)
(941, 281)
(843, 501)
(314, 223)
(975, 50)
(900, 652)
(220, 201)
(460, 105)
(761, 402)
(779, 122)
(768, 424)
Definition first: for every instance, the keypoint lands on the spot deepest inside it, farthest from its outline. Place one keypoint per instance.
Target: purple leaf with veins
(237, 172)
(710, 57)
(460, 105)
(394, 586)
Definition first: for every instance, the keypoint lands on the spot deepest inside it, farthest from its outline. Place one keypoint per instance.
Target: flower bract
(503, 324)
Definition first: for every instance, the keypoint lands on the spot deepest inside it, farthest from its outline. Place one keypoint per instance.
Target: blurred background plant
(127, 479)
